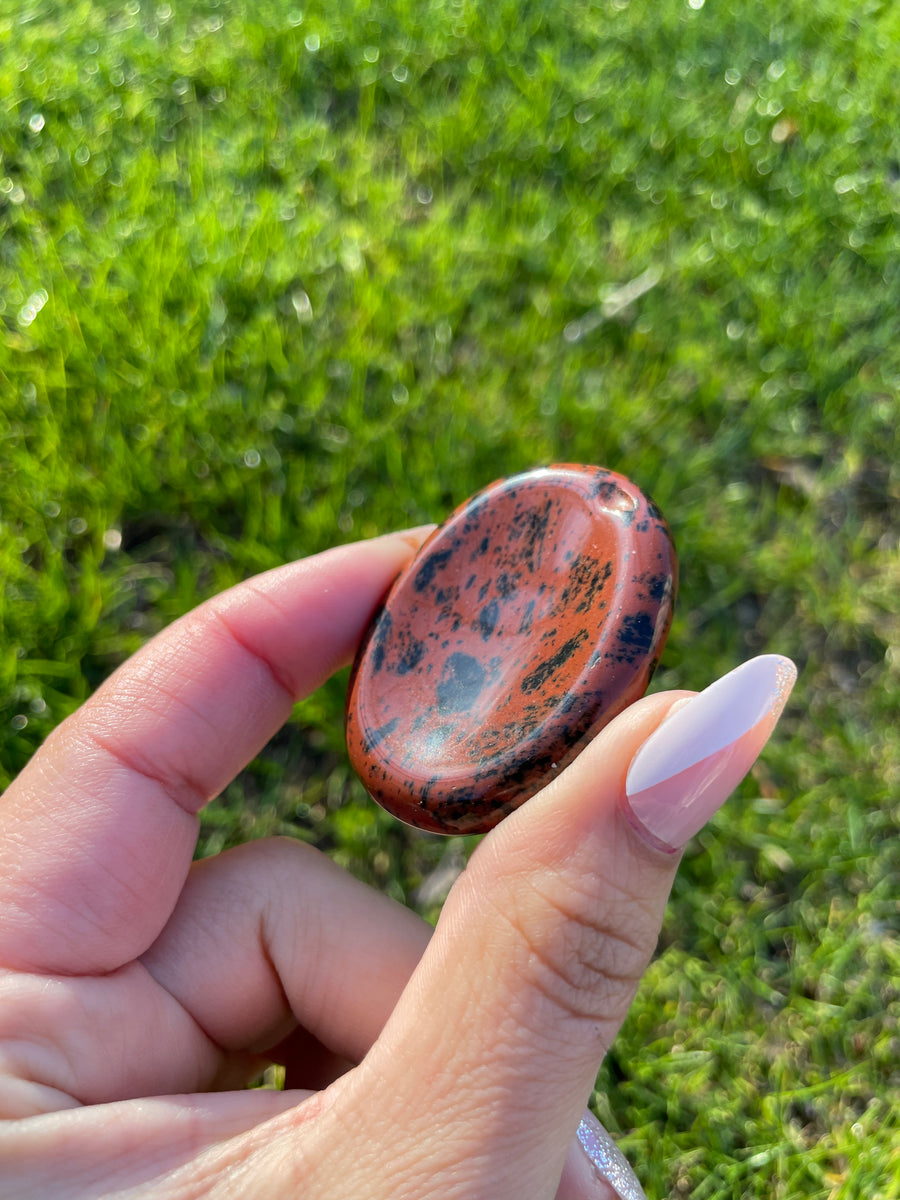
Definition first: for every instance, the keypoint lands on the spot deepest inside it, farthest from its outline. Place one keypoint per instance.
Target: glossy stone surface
(526, 622)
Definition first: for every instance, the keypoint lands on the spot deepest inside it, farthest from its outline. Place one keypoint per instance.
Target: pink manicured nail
(693, 762)
(609, 1163)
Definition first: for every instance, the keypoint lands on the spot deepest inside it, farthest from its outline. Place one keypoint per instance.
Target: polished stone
(529, 619)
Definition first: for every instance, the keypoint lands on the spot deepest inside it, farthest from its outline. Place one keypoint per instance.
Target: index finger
(97, 834)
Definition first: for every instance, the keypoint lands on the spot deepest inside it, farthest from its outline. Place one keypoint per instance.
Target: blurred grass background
(280, 274)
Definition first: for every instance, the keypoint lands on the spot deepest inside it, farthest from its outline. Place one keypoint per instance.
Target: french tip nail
(608, 1160)
(695, 759)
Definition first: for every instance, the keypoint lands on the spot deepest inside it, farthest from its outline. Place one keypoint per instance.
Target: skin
(140, 993)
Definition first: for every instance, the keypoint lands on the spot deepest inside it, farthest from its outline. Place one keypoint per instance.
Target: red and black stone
(525, 623)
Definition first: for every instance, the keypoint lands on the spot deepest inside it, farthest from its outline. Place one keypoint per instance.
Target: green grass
(275, 275)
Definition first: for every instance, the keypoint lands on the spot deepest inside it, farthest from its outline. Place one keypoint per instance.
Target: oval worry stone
(523, 625)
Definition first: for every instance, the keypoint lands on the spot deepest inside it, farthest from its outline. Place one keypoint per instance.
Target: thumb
(488, 1059)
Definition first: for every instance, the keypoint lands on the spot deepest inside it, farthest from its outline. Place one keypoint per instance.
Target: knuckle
(583, 949)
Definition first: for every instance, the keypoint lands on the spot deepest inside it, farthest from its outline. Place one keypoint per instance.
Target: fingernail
(692, 763)
(608, 1160)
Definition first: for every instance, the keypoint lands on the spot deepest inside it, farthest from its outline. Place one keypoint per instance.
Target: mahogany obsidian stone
(524, 624)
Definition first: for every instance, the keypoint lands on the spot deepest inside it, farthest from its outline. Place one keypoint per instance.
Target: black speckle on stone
(487, 619)
(657, 587)
(606, 489)
(506, 585)
(379, 640)
(533, 523)
(470, 582)
(635, 636)
(570, 703)
(525, 623)
(483, 591)
(412, 655)
(432, 564)
(539, 676)
(587, 579)
(375, 737)
(460, 684)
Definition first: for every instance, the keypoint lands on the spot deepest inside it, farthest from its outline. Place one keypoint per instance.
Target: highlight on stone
(528, 620)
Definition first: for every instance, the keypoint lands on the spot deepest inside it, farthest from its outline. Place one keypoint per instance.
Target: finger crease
(183, 791)
(567, 991)
(601, 928)
(282, 682)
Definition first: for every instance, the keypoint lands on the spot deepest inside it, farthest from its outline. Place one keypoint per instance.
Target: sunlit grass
(277, 275)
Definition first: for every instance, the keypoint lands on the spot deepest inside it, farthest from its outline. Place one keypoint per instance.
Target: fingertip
(413, 537)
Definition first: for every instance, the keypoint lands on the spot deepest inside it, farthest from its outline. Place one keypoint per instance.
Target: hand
(139, 993)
